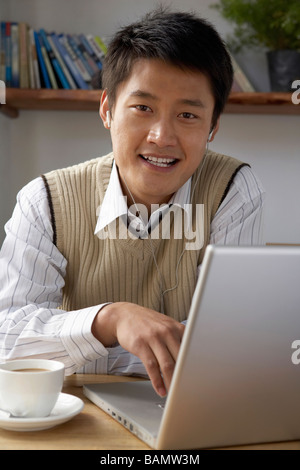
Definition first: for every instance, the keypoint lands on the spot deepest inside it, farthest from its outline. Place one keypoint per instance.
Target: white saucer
(67, 406)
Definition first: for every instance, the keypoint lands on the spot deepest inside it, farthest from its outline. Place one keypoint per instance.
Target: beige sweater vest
(108, 270)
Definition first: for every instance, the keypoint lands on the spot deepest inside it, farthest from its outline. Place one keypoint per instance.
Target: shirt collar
(114, 203)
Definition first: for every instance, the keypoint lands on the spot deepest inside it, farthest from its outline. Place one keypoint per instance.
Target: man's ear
(215, 130)
(104, 111)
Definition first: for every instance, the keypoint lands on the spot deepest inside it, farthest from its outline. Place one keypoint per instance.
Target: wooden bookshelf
(48, 100)
(262, 103)
(88, 100)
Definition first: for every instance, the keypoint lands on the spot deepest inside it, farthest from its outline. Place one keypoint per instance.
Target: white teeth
(163, 162)
(159, 164)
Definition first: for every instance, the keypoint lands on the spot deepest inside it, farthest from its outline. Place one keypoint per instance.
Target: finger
(153, 370)
(173, 341)
(165, 350)
(166, 363)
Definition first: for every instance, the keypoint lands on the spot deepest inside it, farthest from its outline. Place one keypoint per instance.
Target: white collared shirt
(32, 272)
(114, 205)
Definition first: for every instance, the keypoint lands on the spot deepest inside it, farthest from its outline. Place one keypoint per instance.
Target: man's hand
(152, 336)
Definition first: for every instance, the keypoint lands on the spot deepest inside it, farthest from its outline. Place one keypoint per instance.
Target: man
(86, 280)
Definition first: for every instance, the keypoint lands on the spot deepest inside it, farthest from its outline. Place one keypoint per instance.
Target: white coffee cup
(29, 388)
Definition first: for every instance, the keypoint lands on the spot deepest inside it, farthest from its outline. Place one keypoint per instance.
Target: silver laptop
(237, 377)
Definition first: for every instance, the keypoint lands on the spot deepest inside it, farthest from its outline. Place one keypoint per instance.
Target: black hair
(178, 38)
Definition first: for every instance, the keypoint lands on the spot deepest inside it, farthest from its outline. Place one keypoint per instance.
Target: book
(52, 58)
(48, 64)
(33, 53)
(240, 77)
(90, 51)
(95, 47)
(40, 56)
(235, 86)
(15, 65)
(101, 44)
(38, 59)
(30, 61)
(8, 57)
(84, 63)
(91, 63)
(75, 59)
(2, 51)
(73, 70)
(61, 62)
(23, 59)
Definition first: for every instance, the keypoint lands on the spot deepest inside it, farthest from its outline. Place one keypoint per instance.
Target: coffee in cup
(29, 388)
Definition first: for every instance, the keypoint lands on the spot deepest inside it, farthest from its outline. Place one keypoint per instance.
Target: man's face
(160, 125)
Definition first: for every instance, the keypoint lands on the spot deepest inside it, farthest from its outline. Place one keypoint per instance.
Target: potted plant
(273, 25)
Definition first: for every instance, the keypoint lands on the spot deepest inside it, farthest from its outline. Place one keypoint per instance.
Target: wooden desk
(92, 429)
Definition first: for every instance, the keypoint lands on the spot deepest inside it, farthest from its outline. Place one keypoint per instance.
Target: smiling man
(86, 276)
(160, 125)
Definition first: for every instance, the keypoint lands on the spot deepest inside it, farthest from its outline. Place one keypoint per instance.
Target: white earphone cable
(161, 280)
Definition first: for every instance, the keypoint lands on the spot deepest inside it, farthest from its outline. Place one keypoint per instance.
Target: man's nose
(162, 133)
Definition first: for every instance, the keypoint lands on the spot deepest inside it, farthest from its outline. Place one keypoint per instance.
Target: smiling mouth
(162, 162)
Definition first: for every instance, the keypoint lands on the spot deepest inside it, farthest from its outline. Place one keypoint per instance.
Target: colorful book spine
(50, 71)
(54, 61)
(15, 72)
(61, 62)
(44, 72)
(73, 70)
(80, 57)
(101, 44)
(8, 57)
(2, 51)
(24, 72)
(35, 63)
(90, 51)
(93, 67)
(30, 62)
(95, 47)
(77, 62)
(39, 59)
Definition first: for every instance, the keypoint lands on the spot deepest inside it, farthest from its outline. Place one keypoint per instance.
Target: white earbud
(108, 121)
(210, 135)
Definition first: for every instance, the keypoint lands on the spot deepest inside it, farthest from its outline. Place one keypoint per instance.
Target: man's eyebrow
(196, 103)
(143, 94)
(190, 102)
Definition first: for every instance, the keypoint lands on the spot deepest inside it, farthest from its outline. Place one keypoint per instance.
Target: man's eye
(142, 107)
(187, 115)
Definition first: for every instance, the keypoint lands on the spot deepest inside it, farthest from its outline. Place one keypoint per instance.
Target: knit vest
(127, 269)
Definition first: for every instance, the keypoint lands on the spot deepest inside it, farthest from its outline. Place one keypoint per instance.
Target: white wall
(270, 144)
(39, 141)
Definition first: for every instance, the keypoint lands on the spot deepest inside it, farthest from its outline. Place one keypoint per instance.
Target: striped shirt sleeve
(239, 219)
(32, 274)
